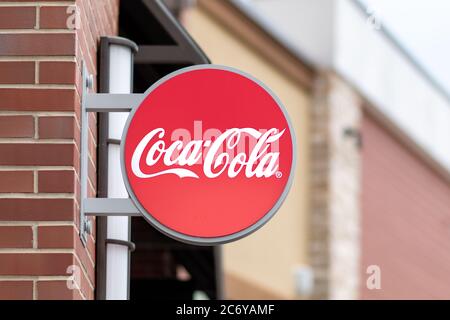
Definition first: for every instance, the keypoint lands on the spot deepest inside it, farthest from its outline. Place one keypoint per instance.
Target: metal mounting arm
(108, 102)
(110, 207)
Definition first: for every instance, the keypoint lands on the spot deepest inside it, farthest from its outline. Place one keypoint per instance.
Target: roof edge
(230, 13)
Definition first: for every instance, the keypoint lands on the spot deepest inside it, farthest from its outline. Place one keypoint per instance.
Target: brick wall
(405, 219)
(40, 80)
(335, 189)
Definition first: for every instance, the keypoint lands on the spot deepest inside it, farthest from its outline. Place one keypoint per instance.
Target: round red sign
(208, 156)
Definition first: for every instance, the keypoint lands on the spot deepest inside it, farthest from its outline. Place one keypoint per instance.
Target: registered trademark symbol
(279, 174)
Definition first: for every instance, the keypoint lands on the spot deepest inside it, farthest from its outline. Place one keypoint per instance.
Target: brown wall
(262, 265)
(405, 220)
(40, 81)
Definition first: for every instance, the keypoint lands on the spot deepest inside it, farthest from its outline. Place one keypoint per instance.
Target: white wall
(304, 25)
(378, 69)
(335, 34)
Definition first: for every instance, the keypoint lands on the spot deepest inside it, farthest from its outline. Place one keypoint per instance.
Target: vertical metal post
(85, 223)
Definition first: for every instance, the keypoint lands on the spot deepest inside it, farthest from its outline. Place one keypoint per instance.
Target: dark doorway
(162, 268)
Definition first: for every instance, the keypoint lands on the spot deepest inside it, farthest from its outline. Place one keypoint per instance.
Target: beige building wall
(263, 264)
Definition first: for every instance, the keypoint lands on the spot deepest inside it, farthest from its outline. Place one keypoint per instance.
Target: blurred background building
(373, 126)
(368, 216)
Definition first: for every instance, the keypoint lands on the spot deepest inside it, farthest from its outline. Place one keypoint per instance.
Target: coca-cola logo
(208, 156)
(217, 156)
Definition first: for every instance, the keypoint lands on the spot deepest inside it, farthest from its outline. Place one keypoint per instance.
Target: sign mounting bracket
(186, 51)
(100, 102)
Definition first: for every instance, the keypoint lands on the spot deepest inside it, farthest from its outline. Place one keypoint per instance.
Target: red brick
(92, 173)
(37, 0)
(99, 18)
(16, 126)
(60, 72)
(56, 237)
(56, 127)
(56, 290)
(35, 264)
(37, 44)
(86, 286)
(93, 124)
(17, 17)
(17, 72)
(37, 99)
(54, 17)
(56, 181)
(83, 256)
(89, 267)
(36, 210)
(77, 134)
(16, 181)
(25, 154)
(91, 245)
(16, 290)
(16, 237)
(92, 148)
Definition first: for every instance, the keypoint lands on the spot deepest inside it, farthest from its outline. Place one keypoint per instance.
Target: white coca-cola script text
(260, 161)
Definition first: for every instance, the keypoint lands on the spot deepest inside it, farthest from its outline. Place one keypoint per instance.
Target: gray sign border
(208, 241)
